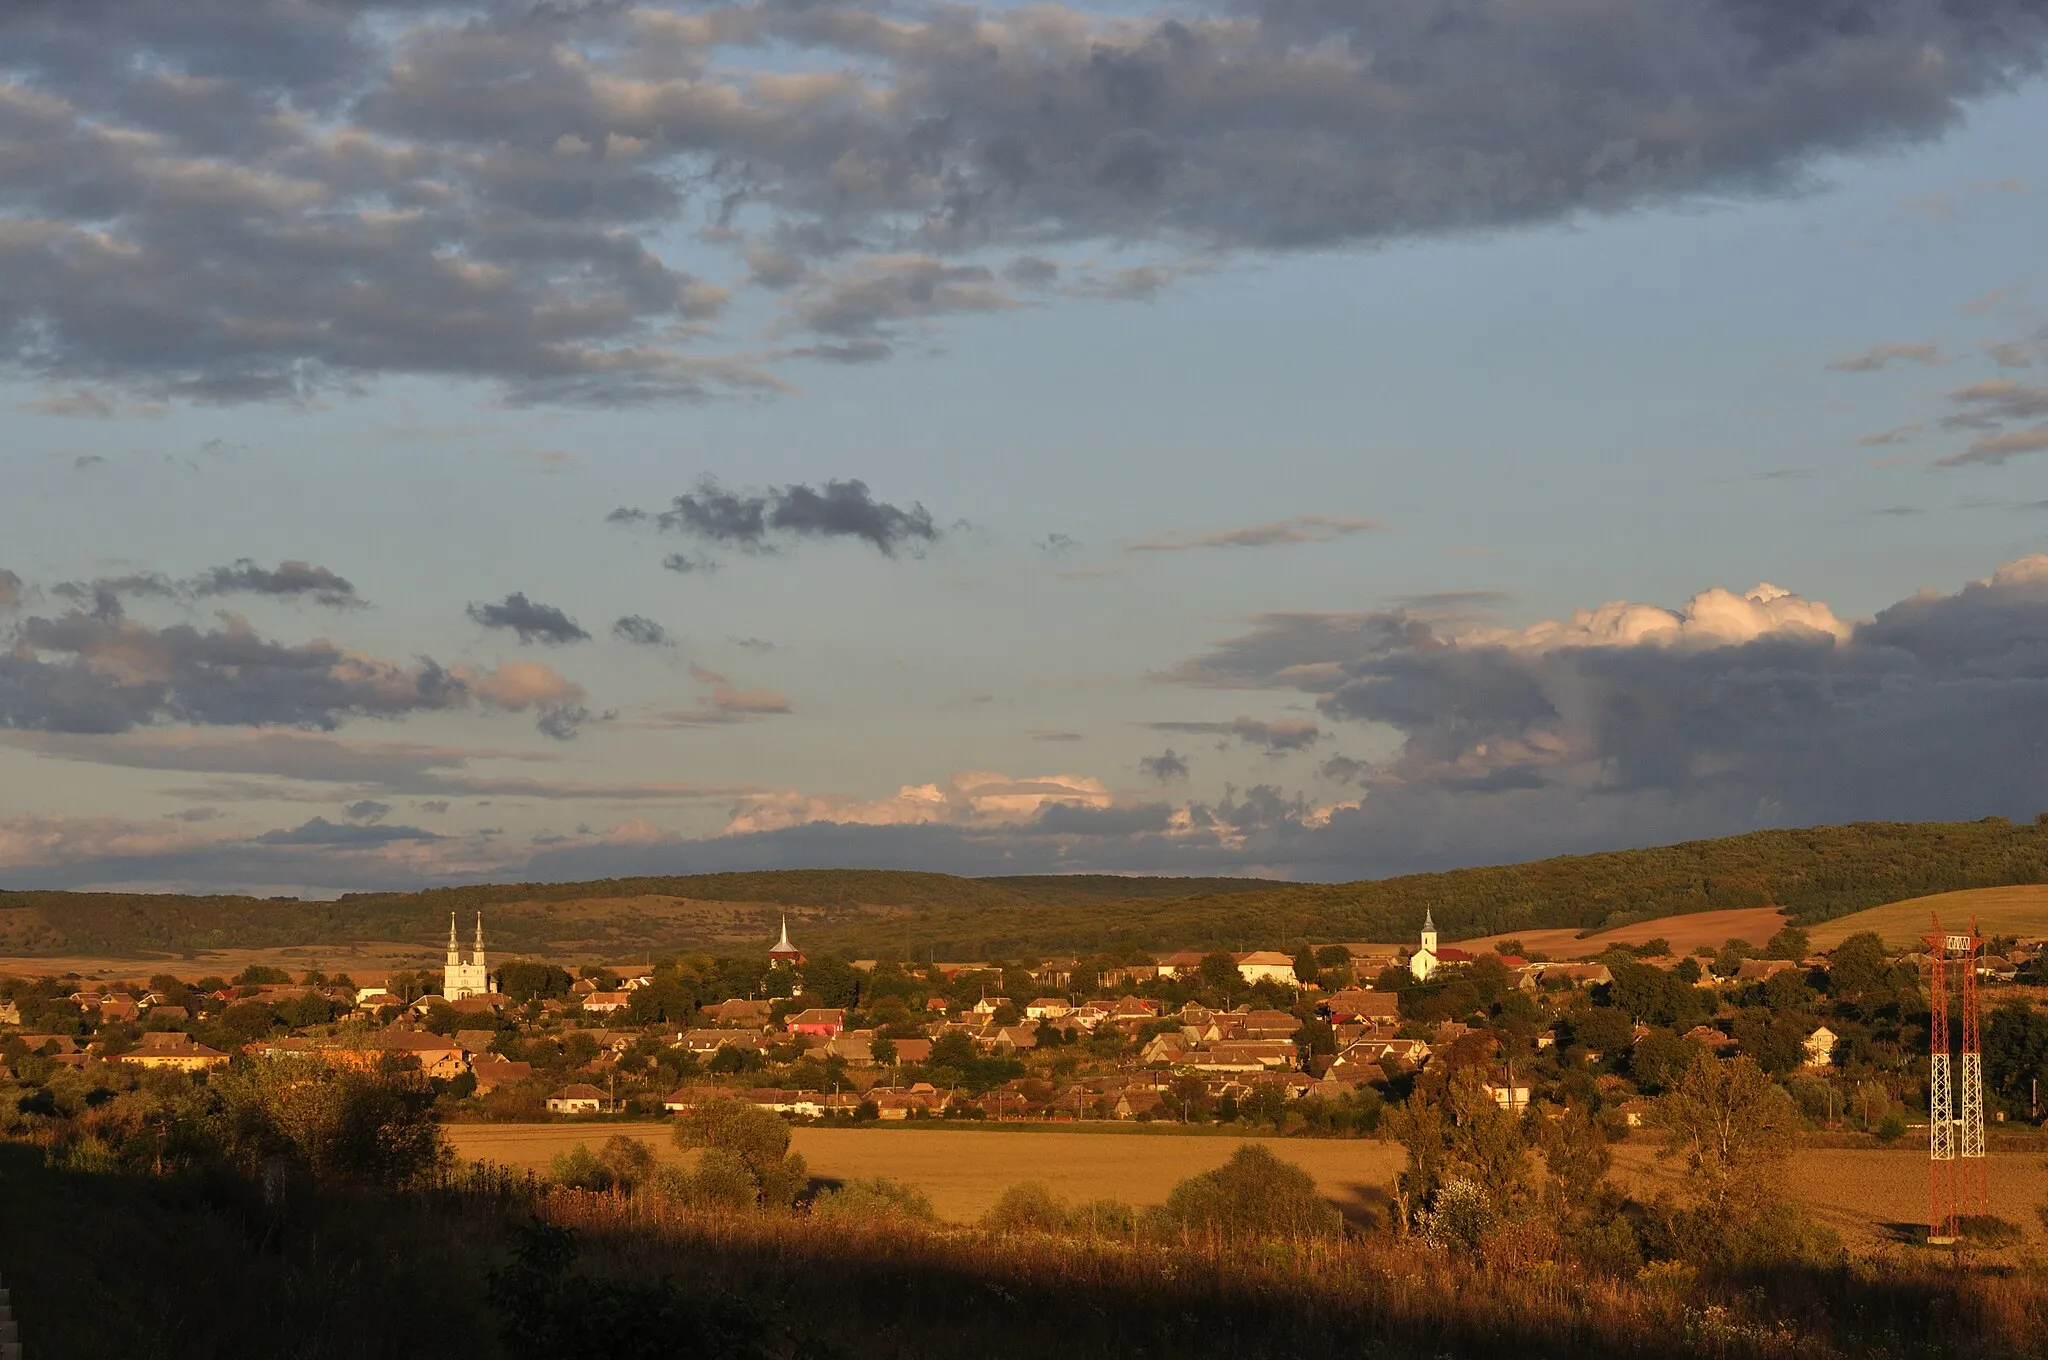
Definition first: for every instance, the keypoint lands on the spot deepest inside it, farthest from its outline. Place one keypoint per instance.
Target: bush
(1253, 1195)
(1459, 1216)
(1026, 1208)
(1892, 1127)
(746, 1157)
(875, 1200)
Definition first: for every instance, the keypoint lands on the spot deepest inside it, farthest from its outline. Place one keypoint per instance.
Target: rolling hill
(1816, 875)
(2018, 910)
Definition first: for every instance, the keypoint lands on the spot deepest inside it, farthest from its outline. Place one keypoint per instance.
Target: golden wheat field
(2020, 910)
(1686, 933)
(1859, 1192)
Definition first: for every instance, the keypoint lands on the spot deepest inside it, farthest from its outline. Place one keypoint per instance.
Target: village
(1315, 1041)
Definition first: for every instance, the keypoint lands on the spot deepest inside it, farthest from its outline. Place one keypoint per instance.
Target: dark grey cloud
(1275, 737)
(10, 589)
(1549, 739)
(266, 200)
(761, 522)
(99, 671)
(367, 810)
(1165, 767)
(564, 722)
(1044, 734)
(531, 620)
(641, 631)
(752, 644)
(1343, 769)
(320, 831)
(1991, 407)
(289, 578)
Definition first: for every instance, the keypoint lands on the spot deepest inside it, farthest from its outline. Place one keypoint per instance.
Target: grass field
(1866, 1194)
(2021, 911)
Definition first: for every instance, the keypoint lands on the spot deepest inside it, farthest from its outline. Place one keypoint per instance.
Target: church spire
(1428, 921)
(783, 945)
(479, 959)
(454, 949)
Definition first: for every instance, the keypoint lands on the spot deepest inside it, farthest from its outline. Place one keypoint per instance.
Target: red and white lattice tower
(1955, 1109)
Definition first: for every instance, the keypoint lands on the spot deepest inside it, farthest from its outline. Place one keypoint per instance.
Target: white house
(1266, 965)
(579, 1098)
(1820, 1047)
(1429, 956)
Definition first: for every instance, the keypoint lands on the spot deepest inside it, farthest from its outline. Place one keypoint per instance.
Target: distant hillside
(2021, 911)
(1816, 874)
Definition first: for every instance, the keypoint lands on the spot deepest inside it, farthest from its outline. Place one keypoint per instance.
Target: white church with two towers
(459, 979)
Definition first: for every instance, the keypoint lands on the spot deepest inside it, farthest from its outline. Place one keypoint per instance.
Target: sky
(563, 439)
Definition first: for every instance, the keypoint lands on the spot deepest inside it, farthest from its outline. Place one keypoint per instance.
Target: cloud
(766, 521)
(724, 706)
(275, 200)
(320, 831)
(384, 768)
(1633, 724)
(1879, 357)
(104, 672)
(531, 620)
(1276, 533)
(752, 644)
(367, 810)
(1165, 767)
(289, 578)
(1053, 734)
(641, 631)
(1993, 449)
(967, 798)
(2017, 353)
(1898, 434)
(10, 589)
(1278, 736)
(1343, 769)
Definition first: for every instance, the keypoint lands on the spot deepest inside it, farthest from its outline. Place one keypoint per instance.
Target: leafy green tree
(734, 1134)
(883, 1050)
(1859, 973)
(1792, 943)
(1659, 1059)
(1307, 970)
(832, 982)
(1733, 1126)
(339, 1125)
(1253, 1196)
(1218, 971)
(2015, 1054)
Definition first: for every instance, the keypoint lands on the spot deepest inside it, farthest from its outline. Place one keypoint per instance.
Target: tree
(1789, 943)
(1307, 970)
(737, 1136)
(1732, 1124)
(1859, 973)
(2015, 1054)
(883, 1050)
(1253, 1195)
(953, 1049)
(1219, 971)
(832, 982)
(1659, 1059)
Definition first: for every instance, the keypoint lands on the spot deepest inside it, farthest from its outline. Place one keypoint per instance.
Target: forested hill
(1817, 874)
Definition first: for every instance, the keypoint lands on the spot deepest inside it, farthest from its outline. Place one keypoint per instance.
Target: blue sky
(1282, 432)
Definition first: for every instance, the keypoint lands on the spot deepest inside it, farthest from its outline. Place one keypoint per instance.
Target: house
(1135, 1103)
(913, 1050)
(1047, 1008)
(1010, 1038)
(1710, 1038)
(1269, 1025)
(1506, 1092)
(10, 1013)
(1763, 970)
(821, 1022)
(1250, 1055)
(1357, 1003)
(606, 1003)
(1266, 965)
(1181, 963)
(806, 1104)
(989, 1005)
(376, 998)
(1572, 974)
(172, 1052)
(175, 1014)
(117, 1008)
(1635, 1113)
(492, 1071)
(688, 1098)
(743, 1013)
(1133, 1009)
(1166, 1048)
(856, 1047)
(1820, 1047)
(576, 1098)
(439, 1058)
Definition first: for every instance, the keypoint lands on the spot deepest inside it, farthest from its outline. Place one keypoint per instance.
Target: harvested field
(2021, 911)
(366, 962)
(1686, 933)
(965, 1170)
(1860, 1192)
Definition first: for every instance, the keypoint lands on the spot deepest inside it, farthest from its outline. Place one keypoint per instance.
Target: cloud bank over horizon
(1622, 724)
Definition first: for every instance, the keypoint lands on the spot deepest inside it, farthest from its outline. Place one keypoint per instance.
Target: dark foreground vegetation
(1817, 874)
(289, 1209)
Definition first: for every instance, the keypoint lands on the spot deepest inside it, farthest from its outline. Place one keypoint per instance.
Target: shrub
(629, 1160)
(1026, 1208)
(1459, 1216)
(580, 1169)
(1891, 1127)
(1254, 1194)
(875, 1200)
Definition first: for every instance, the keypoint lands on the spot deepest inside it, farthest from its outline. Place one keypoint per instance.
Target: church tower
(1424, 960)
(459, 979)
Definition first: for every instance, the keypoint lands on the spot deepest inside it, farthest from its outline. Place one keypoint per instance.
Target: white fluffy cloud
(967, 798)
